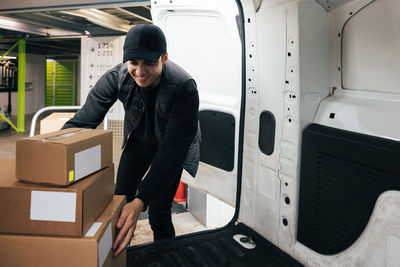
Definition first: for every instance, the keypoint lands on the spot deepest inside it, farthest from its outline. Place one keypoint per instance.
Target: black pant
(135, 161)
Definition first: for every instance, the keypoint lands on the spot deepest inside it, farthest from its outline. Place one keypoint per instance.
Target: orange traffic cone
(180, 195)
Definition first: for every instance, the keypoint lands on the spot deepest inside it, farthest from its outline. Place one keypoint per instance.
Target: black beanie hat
(144, 41)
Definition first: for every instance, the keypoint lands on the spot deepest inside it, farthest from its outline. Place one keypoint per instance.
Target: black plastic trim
(211, 248)
(342, 175)
(266, 133)
(217, 146)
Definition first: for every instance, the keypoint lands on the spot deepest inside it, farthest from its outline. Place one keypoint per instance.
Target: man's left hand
(127, 224)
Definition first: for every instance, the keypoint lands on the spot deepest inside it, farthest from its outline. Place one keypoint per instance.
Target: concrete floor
(8, 137)
(183, 221)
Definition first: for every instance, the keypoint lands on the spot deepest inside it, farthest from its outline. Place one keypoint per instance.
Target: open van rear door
(203, 37)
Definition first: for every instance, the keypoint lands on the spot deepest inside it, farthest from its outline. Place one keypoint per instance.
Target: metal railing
(21, 86)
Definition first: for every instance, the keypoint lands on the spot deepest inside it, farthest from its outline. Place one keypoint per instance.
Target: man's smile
(142, 78)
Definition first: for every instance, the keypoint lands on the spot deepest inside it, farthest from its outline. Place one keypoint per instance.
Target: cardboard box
(63, 157)
(54, 121)
(28, 208)
(95, 249)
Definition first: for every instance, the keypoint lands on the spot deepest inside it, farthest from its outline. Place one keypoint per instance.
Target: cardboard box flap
(63, 116)
(54, 122)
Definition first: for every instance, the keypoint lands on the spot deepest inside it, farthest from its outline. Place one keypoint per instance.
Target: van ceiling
(56, 32)
(332, 4)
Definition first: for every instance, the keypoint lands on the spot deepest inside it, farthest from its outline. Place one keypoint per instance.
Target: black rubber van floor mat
(211, 248)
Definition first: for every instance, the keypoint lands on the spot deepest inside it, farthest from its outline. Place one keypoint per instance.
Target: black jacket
(176, 120)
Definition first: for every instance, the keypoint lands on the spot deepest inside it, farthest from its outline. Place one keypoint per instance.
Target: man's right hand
(127, 224)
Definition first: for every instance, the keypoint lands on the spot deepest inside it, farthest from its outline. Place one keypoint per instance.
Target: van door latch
(245, 241)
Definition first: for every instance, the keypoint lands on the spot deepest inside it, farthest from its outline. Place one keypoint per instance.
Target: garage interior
(44, 37)
(54, 33)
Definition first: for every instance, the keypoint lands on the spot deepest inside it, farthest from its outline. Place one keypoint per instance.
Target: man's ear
(164, 58)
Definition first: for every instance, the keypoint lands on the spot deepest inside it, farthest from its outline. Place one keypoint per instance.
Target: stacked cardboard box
(63, 157)
(53, 217)
(54, 121)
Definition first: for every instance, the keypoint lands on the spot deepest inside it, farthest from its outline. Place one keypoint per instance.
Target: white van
(299, 113)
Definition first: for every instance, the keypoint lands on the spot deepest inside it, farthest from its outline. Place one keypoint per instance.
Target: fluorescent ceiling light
(101, 18)
(21, 26)
(14, 25)
(134, 14)
(9, 57)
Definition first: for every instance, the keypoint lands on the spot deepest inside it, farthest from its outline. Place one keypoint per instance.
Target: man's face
(147, 74)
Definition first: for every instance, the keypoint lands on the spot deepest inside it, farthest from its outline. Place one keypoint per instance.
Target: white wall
(98, 55)
(370, 51)
(35, 73)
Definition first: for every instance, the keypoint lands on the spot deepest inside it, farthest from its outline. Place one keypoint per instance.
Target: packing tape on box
(93, 229)
(60, 136)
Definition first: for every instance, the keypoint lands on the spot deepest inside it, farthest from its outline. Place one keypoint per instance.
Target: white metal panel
(374, 106)
(218, 213)
(376, 245)
(331, 4)
(203, 38)
(308, 82)
(289, 68)
(97, 56)
(291, 76)
(368, 113)
(260, 184)
(371, 48)
(392, 251)
(337, 19)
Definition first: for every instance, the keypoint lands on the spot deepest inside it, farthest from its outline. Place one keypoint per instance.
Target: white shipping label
(93, 229)
(87, 161)
(53, 206)
(105, 245)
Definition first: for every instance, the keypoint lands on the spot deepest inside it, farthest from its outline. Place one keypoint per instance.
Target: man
(160, 129)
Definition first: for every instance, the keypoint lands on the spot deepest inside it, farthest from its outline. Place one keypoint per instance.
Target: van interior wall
(291, 51)
(364, 103)
(369, 73)
(35, 82)
(303, 56)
